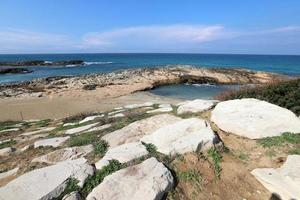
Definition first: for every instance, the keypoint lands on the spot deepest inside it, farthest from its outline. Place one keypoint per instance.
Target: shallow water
(194, 91)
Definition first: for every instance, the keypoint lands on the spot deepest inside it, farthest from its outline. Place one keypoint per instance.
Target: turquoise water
(195, 91)
(102, 63)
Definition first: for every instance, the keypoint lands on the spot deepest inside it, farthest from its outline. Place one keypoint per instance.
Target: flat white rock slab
(284, 181)
(149, 180)
(43, 130)
(8, 173)
(80, 129)
(186, 135)
(10, 130)
(123, 153)
(6, 151)
(136, 130)
(60, 155)
(198, 105)
(47, 182)
(254, 119)
(99, 128)
(54, 142)
(90, 118)
(132, 106)
(164, 108)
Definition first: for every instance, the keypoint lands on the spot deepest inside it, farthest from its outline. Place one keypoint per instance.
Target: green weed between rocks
(279, 140)
(72, 185)
(216, 158)
(7, 144)
(192, 176)
(100, 147)
(81, 140)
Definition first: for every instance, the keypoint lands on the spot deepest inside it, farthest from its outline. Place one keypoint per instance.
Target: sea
(109, 62)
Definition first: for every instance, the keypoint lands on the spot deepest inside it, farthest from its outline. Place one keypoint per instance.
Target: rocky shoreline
(41, 63)
(133, 80)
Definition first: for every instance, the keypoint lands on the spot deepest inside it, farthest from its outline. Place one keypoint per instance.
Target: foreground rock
(148, 180)
(136, 130)
(254, 119)
(70, 153)
(195, 106)
(123, 153)
(53, 142)
(46, 183)
(184, 136)
(284, 181)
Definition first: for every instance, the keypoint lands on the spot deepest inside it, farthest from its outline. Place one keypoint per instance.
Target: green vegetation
(279, 140)
(100, 147)
(152, 149)
(216, 158)
(295, 151)
(7, 144)
(83, 139)
(43, 123)
(285, 94)
(72, 185)
(243, 156)
(192, 176)
(92, 181)
(8, 124)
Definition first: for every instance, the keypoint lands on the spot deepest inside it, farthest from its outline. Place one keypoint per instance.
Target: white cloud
(153, 37)
(17, 40)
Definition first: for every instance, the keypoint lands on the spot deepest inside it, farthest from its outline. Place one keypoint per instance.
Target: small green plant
(295, 151)
(72, 185)
(8, 144)
(279, 140)
(190, 176)
(152, 149)
(216, 158)
(100, 147)
(8, 124)
(43, 123)
(92, 181)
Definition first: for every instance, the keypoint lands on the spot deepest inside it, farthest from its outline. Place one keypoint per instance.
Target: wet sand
(56, 107)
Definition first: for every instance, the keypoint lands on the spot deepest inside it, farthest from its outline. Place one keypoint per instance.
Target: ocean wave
(97, 63)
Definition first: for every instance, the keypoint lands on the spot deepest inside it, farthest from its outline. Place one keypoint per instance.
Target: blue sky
(212, 26)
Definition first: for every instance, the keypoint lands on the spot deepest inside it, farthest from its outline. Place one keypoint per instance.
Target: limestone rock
(116, 115)
(10, 130)
(70, 124)
(73, 196)
(123, 153)
(69, 153)
(43, 130)
(90, 118)
(162, 108)
(187, 135)
(148, 180)
(254, 119)
(80, 129)
(8, 173)
(46, 183)
(99, 128)
(284, 181)
(139, 105)
(54, 142)
(6, 151)
(195, 106)
(136, 130)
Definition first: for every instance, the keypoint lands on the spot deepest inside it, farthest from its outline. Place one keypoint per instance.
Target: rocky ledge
(129, 81)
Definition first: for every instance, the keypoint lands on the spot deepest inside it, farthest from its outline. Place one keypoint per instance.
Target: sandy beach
(56, 107)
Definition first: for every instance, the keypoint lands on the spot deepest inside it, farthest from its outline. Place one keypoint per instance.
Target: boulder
(195, 106)
(123, 153)
(54, 142)
(148, 180)
(136, 130)
(69, 153)
(254, 119)
(8, 173)
(48, 182)
(90, 118)
(80, 129)
(284, 181)
(187, 135)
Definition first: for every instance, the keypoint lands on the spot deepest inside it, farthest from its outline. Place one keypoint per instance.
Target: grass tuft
(100, 147)
(216, 158)
(279, 140)
(8, 144)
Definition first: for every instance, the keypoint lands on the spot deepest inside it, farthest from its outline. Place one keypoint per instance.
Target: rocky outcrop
(283, 182)
(60, 155)
(46, 183)
(123, 153)
(187, 135)
(14, 71)
(149, 180)
(136, 130)
(198, 105)
(254, 119)
(42, 63)
(129, 81)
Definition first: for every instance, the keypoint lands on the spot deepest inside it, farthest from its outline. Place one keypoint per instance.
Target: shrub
(100, 147)
(282, 93)
(82, 139)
